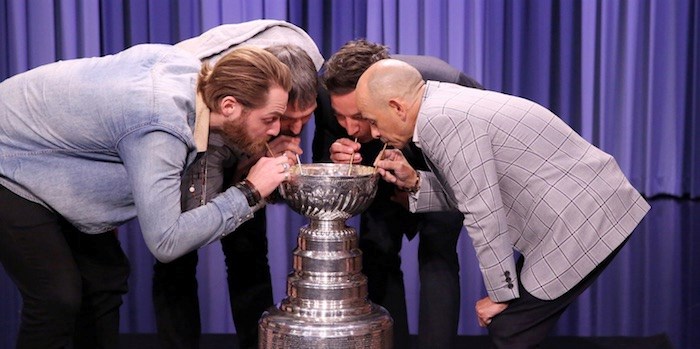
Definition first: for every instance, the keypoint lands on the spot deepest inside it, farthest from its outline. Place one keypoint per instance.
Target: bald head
(390, 78)
(388, 94)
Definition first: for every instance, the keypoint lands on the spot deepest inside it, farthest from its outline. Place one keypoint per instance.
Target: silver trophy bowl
(329, 192)
(327, 304)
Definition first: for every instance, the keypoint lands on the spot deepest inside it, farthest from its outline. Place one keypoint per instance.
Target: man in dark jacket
(175, 286)
(341, 134)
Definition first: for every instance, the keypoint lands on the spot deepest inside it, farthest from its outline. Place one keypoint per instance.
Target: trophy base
(280, 330)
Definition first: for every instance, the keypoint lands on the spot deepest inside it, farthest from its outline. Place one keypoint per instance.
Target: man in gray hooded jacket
(175, 296)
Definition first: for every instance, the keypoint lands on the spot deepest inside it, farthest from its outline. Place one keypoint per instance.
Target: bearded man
(88, 144)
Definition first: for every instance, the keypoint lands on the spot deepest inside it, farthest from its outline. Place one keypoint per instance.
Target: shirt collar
(201, 124)
(415, 139)
(428, 88)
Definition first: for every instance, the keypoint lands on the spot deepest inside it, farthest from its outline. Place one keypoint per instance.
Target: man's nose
(353, 126)
(296, 127)
(275, 129)
(375, 132)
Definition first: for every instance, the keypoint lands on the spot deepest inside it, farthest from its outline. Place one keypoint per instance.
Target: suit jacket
(328, 130)
(524, 181)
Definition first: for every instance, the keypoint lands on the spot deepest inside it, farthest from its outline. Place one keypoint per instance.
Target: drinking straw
(301, 172)
(379, 157)
(352, 156)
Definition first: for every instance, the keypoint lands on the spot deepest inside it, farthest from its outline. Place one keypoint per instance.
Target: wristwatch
(416, 187)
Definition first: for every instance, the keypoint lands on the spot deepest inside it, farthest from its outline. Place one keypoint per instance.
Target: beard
(236, 135)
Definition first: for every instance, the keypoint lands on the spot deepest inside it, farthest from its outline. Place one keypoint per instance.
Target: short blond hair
(247, 74)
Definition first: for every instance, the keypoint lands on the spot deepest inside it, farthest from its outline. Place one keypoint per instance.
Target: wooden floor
(228, 341)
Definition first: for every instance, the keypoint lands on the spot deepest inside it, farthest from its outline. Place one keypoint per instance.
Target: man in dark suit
(339, 136)
(524, 181)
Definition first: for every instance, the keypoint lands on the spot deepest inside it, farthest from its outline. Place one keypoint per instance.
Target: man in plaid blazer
(385, 223)
(523, 179)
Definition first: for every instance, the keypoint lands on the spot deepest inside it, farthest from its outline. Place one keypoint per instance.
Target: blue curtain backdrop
(625, 74)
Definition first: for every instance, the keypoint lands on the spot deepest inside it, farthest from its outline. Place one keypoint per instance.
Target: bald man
(524, 181)
(386, 222)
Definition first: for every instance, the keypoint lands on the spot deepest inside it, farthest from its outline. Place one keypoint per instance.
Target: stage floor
(228, 341)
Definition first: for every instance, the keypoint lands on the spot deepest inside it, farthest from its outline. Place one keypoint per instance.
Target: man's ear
(398, 108)
(230, 108)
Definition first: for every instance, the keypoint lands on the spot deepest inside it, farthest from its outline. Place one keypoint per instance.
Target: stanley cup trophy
(326, 304)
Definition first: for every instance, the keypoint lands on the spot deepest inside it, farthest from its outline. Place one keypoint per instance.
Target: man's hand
(280, 145)
(268, 173)
(343, 149)
(286, 145)
(394, 168)
(486, 309)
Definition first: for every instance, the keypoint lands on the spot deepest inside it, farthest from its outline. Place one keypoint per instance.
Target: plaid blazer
(524, 181)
